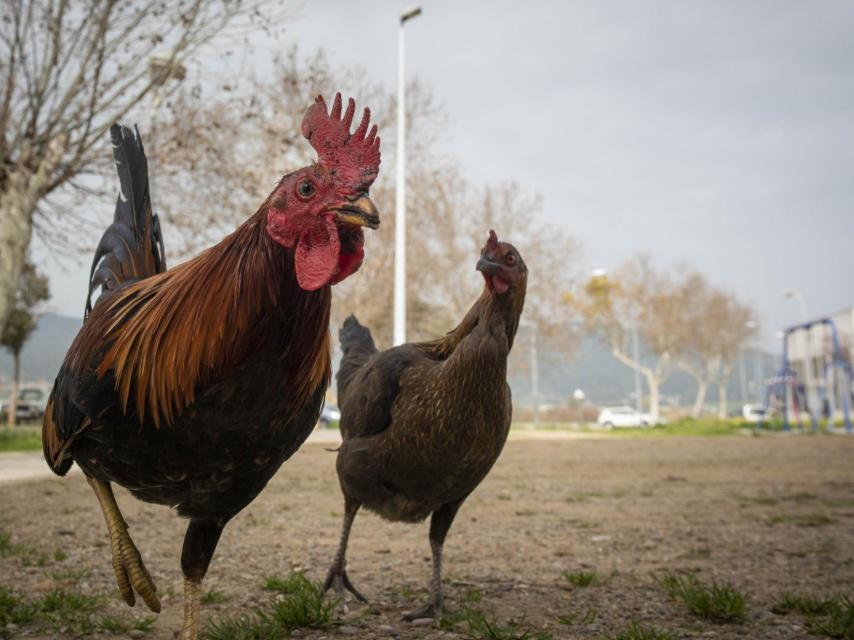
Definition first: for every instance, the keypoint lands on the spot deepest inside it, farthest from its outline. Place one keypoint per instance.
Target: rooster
(423, 423)
(190, 387)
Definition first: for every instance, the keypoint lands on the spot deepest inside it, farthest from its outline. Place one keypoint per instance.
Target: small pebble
(136, 633)
(422, 622)
(347, 630)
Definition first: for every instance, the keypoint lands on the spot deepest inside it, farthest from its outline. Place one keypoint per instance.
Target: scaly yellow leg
(192, 606)
(131, 573)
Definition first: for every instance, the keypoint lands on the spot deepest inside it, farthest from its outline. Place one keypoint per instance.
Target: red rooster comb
(353, 158)
(492, 242)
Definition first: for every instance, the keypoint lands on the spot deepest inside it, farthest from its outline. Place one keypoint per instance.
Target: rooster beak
(360, 211)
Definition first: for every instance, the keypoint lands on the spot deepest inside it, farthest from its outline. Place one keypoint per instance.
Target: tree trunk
(16, 216)
(16, 384)
(722, 399)
(652, 383)
(646, 372)
(700, 400)
(22, 190)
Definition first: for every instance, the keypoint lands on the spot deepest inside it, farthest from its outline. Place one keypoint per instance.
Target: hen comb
(492, 242)
(353, 158)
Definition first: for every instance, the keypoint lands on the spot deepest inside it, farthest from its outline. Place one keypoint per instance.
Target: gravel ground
(768, 514)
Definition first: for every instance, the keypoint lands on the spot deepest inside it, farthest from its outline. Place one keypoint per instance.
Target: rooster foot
(131, 574)
(428, 610)
(337, 579)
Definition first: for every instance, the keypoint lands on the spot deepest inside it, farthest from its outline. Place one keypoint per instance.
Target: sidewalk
(21, 466)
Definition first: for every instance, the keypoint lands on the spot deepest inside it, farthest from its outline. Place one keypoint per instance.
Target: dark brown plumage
(424, 423)
(190, 387)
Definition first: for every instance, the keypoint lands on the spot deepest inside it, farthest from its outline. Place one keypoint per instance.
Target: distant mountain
(44, 351)
(604, 380)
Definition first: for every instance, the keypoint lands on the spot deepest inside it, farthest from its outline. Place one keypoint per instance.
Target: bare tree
(636, 298)
(700, 357)
(733, 334)
(70, 70)
(32, 290)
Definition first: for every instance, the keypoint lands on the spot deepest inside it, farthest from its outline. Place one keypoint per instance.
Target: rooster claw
(337, 579)
(131, 574)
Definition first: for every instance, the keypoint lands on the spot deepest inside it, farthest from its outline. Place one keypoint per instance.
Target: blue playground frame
(787, 377)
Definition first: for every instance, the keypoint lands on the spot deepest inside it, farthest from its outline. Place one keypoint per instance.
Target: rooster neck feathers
(170, 333)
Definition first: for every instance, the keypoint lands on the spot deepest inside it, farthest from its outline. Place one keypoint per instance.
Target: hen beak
(487, 266)
(360, 212)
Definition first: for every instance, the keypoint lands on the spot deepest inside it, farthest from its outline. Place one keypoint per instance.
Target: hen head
(501, 265)
(319, 211)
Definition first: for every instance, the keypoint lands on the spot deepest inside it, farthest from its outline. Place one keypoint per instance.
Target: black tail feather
(132, 246)
(357, 346)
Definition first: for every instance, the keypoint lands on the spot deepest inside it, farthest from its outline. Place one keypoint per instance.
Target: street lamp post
(400, 188)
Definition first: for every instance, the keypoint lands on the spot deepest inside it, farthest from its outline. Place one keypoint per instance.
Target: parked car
(329, 415)
(754, 412)
(611, 417)
(30, 406)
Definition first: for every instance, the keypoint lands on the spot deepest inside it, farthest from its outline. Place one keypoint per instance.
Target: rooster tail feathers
(132, 246)
(357, 346)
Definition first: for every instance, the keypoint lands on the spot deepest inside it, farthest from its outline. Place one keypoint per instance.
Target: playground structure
(816, 377)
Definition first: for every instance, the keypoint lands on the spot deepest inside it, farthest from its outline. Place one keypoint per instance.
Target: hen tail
(357, 346)
(132, 247)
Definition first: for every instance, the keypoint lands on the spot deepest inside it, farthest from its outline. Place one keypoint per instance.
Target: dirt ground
(769, 514)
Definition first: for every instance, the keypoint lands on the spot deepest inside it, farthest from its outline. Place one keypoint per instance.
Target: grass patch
(636, 631)
(589, 617)
(481, 626)
(303, 603)
(580, 578)
(121, 625)
(20, 440)
(299, 603)
(214, 597)
(27, 554)
(14, 609)
(241, 627)
(831, 616)
(61, 608)
(718, 602)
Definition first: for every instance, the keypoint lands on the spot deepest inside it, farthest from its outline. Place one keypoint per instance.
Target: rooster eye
(305, 189)
(510, 259)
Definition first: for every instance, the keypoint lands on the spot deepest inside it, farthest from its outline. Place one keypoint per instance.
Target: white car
(611, 417)
(754, 412)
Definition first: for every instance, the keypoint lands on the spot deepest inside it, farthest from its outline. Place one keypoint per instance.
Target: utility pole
(400, 187)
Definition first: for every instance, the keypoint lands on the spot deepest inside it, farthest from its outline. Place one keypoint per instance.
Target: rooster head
(319, 211)
(501, 265)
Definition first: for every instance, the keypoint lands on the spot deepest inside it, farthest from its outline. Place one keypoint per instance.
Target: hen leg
(440, 522)
(131, 574)
(337, 576)
(199, 545)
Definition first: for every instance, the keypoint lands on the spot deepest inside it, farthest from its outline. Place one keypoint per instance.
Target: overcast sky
(715, 133)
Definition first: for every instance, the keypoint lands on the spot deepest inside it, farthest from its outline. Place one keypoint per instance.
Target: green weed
(580, 578)
(636, 631)
(718, 602)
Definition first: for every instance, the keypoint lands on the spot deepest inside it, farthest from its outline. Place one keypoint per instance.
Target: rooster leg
(440, 523)
(199, 545)
(131, 574)
(337, 576)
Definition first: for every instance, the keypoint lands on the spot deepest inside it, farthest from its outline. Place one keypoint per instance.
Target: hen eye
(305, 189)
(510, 259)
